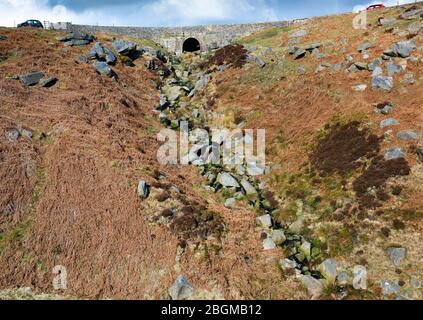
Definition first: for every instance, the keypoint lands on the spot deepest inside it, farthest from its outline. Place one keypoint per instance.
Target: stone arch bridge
(181, 39)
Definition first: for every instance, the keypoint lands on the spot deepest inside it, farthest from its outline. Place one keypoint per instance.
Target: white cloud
(387, 3)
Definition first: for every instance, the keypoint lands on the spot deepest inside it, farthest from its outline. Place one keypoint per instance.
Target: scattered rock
(393, 153)
(412, 14)
(360, 87)
(407, 135)
(389, 288)
(278, 237)
(312, 46)
(264, 220)
(268, 244)
(181, 289)
(143, 189)
(48, 82)
(415, 28)
(386, 22)
(382, 83)
(401, 49)
(103, 68)
(301, 71)
(415, 283)
(227, 180)
(378, 71)
(396, 255)
(31, 79)
(388, 122)
(384, 108)
(314, 286)
(124, 47)
(305, 249)
(229, 203)
(12, 134)
(287, 264)
(360, 278)
(27, 133)
(267, 51)
(393, 69)
(2, 37)
(408, 79)
(300, 53)
(250, 191)
(328, 269)
(373, 64)
(260, 62)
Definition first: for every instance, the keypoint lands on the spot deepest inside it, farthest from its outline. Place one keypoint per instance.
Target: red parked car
(375, 7)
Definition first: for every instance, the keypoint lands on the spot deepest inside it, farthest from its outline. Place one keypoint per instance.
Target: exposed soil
(341, 150)
(234, 55)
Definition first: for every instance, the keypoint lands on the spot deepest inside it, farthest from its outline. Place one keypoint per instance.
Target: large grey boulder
(268, 244)
(103, 68)
(312, 46)
(401, 49)
(253, 169)
(100, 52)
(382, 83)
(313, 286)
(227, 180)
(394, 153)
(387, 22)
(299, 53)
(389, 287)
(375, 63)
(360, 278)
(77, 42)
(297, 33)
(31, 79)
(287, 264)
(396, 255)
(124, 47)
(181, 289)
(407, 135)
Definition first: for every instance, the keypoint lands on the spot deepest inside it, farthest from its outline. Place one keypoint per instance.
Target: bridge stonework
(210, 37)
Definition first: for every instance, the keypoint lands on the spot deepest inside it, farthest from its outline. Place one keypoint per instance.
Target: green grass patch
(266, 38)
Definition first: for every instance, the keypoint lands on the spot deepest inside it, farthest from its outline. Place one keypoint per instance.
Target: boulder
(387, 22)
(412, 14)
(268, 244)
(408, 79)
(181, 289)
(12, 134)
(31, 79)
(378, 71)
(401, 49)
(227, 180)
(288, 264)
(343, 278)
(361, 65)
(278, 237)
(328, 269)
(386, 109)
(27, 133)
(407, 135)
(374, 64)
(313, 286)
(305, 249)
(229, 203)
(396, 255)
(300, 53)
(76, 43)
(253, 169)
(389, 287)
(143, 189)
(388, 122)
(393, 153)
(264, 221)
(360, 278)
(250, 191)
(103, 68)
(2, 37)
(393, 69)
(415, 28)
(48, 82)
(124, 47)
(382, 83)
(310, 47)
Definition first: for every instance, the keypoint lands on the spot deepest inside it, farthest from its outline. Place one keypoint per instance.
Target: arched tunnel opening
(191, 45)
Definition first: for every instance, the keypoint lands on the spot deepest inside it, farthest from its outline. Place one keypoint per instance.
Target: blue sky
(172, 12)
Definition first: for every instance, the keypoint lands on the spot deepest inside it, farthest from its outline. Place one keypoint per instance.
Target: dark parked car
(31, 23)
